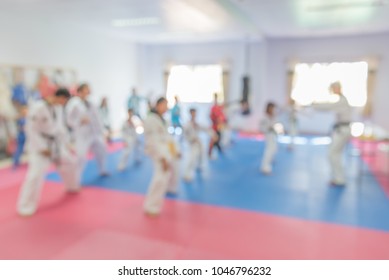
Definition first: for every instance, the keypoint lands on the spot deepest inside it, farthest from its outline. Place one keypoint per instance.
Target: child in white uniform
(268, 128)
(88, 131)
(293, 123)
(162, 149)
(191, 131)
(131, 142)
(47, 144)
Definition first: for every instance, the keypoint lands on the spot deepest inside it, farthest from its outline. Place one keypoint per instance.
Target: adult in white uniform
(88, 131)
(268, 128)
(46, 141)
(131, 142)
(191, 131)
(341, 133)
(162, 149)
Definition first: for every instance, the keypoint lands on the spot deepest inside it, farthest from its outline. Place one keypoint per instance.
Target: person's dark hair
(269, 106)
(62, 92)
(160, 100)
(130, 110)
(81, 87)
(192, 110)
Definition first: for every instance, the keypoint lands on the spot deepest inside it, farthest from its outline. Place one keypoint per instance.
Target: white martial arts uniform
(159, 144)
(196, 157)
(340, 136)
(267, 127)
(293, 125)
(233, 115)
(131, 144)
(45, 132)
(88, 135)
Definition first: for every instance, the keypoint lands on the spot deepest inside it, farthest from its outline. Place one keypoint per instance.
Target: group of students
(162, 148)
(60, 129)
(15, 100)
(341, 134)
(218, 120)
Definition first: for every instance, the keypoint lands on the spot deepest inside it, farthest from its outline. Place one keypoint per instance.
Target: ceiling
(203, 20)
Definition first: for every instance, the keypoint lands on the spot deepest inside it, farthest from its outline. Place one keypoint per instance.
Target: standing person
(192, 130)
(161, 147)
(7, 110)
(36, 91)
(44, 86)
(176, 115)
(134, 102)
(104, 116)
(20, 100)
(341, 133)
(268, 128)
(131, 142)
(20, 95)
(45, 140)
(149, 106)
(88, 131)
(293, 123)
(218, 120)
(8, 114)
(20, 137)
(226, 128)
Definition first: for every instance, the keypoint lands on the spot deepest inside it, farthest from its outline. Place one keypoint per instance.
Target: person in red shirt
(218, 120)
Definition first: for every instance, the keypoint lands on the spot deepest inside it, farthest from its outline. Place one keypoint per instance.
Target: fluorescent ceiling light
(135, 22)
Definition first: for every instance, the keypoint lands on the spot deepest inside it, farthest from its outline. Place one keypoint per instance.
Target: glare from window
(195, 84)
(311, 82)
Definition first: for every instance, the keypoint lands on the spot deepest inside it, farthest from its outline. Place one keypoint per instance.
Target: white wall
(107, 64)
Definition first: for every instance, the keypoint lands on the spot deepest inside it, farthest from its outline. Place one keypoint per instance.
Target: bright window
(311, 82)
(195, 84)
